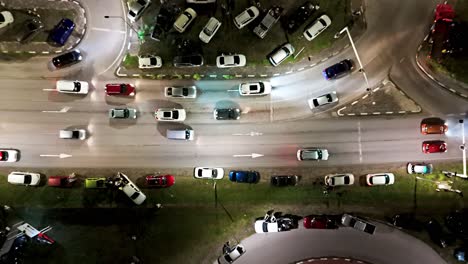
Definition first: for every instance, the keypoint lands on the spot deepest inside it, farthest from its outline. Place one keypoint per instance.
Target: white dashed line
(300, 69)
(364, 113)
(213, 75)
(250, 75)
(288, 72)
(324, 60)
(263, 75)
(136, 75)
(45, 52)
(376, 113)
(401, 112)
(187, 75)
(376, 89)
(239, 75)
(355, 102)
(389, 113)
(276, 74)
(365, 96)
(452, 90)
(464, 95)
(352, 114)
(312, 65)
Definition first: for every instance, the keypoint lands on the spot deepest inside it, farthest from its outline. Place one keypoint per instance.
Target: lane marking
(359, 141)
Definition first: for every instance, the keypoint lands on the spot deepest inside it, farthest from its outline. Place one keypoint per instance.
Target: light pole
(463, 149)
(130, 26)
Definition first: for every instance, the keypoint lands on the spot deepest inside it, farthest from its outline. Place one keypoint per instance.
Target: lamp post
(462, 148)
(130, 26)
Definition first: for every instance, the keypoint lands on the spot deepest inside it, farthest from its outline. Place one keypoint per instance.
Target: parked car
(62, 31)
(300, 16)
(92, 183)
(29, 30)
(230, 61)
(184, 20)
(281, 54)
(72, 87)
(170, 114)
(461, 254)
(9, 155)
(269, 226)
(322, 100)
(244, 176)
(284, 180)
(6, 18)
(123, 113)
(74, 133)
(322, 23)
(61, 181)
(358, 224)
(209, 173)
(149, 62)
(231, 255)
(194, 60)
(136, 9)
(226, 113)
(438, 235)
(319, 222)
(407, 221)
(181, 91)
(209, 30)
(164, 20)
(339, 179)
(338, 70)
(131, 190)
(420, 168)
(247, 16)
(124, 89)
(67, 59)
(384, 178)
(434, 146)
(161, 181)
(254, 88)
(433, 125)
(457, 223)
(24, 178)
(312, 154)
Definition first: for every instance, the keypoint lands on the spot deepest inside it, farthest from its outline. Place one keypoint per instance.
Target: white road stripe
(359, 141)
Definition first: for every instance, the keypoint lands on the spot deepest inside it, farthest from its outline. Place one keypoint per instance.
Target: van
(181, 134)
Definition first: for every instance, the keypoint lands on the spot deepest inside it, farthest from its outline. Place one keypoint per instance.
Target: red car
(125, 89)
(319, 222)
(162, 181)
(61, 181)
(434, 146)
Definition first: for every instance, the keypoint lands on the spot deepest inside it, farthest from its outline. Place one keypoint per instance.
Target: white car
(5, 18)
(184, 20)
(317, 27)
(123, 113)
(380, 179)
(149, 62)
(339, 179)
(312, 154)
(131, 190)
(181, 92)
(419, 168)
(262, 226)
(73, 87)
(254, 88)
(208, 173)
(73, 134)
(170, 114)
(136, 9)
(9, 155)
(247, 16)
(230, 61)
(281, 54)
(231, 255)
(209, 30)
(323, 100)
(24, 178)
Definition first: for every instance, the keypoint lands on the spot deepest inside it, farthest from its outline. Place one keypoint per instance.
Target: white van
(73, 87)
(180, 134)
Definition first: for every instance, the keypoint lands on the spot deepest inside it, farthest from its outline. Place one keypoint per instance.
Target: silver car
(181, 92)
(312, 154)
(323, 100)
(123, 113)
(136, 9)
(339, 179)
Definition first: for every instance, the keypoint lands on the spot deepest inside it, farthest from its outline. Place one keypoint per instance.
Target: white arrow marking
(253, 133)
(63, 110)
(253, 155)
(61, 155)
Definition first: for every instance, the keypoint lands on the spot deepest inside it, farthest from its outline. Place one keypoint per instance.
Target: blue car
(337, 70)
(244, 176)
(62, 31)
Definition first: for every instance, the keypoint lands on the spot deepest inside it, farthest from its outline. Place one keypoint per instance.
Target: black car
(31, 28)
(244, 176)
(407, 221)
(457, 223)
(227, 113)
(300, 16)
(164, 20)
(284, 180)
(67, 59)
(194, 60)
(337, 70)
(437, 234)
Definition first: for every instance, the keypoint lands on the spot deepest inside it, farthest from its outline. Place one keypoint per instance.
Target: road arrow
(61, 155)
(253, 133)
(63, 110)
(253, 155)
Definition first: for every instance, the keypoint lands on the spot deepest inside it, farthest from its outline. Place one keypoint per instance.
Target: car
(312, 154)
(164, 20)
(226, 113)
(358, 224)
(273, 226)
(437, 234)
(230, 61)
(9, 155)
(74, 133)
(385, 178)
(209, 30)
(93, 183)
(73, 87)
(24, 178)
(254, 88)
(62, 31)
(170, 114)
(244, 176)
(300, 16)
(181, 91)
(322, 100)
(338, 70)
(281, 54)
(184, 61)
(247, 16)
(322, 23)
(162, 181)
(433, 125)
(407, 221)
(6, 18)
(434, 146)
(339, 179)
(284, 180)
(136, 9)
(67, 59)
(457, 223)
(419, 168)
(184, 20)
(61, 181)
(123, 113)
(131, 190)
(319, 222)
(124, 89)
(461, 254)
(231, 255)
(208, 173)
(149, 62)
(29, 30)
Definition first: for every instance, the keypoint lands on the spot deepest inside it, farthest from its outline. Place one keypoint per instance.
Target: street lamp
(130, 26)
(462, 148)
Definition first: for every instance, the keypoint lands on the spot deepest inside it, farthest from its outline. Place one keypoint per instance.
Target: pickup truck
(272, 16)
(357, 223)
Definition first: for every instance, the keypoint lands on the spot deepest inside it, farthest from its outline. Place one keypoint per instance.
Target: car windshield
(329, 98)
(27, 179)
(319, 154)
(214, 173)
(185, 91)
(76, 133)
(77, 86)
(221, 61)
(132, 13)
(163, 180)
(250, 13)
(207, 31)
(236, 60)
(346, 179)
(123, 88)
(153, 61)
(135, 195)
(126, 113)
(2, 18)
(323, 22)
